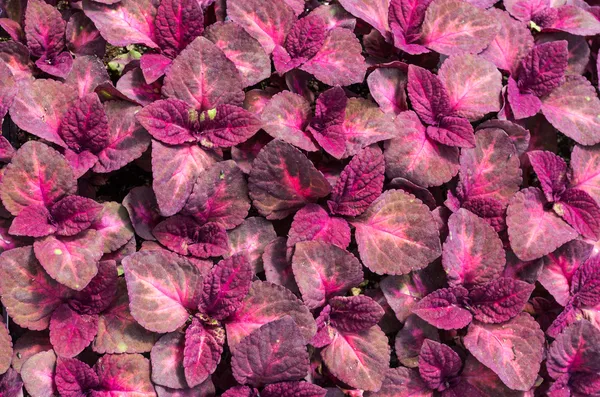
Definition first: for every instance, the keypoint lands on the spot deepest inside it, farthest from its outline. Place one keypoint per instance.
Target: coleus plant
(299, 198)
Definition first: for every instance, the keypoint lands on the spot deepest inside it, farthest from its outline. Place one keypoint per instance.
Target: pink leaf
(427, 94)
(551, 170)
(499, 300)
(443, 308)
(177, 24)
(354, 313)
(452, 131)
(323, 271)
(293, 389)
(543, 69)
(74, 378)
(250, 239)
(230, 126)
(74, 214)
(388, 88)
(33, 221)
(406, 17)
(585, 166)
(125, 374)
(171, 121)
(312, 223)
(38, 374)
(202, 352)
(185, 236)
(167, 361)
(581, 211)
(143, 211)
(402, 382)
(574, 350)
(83, 38)
(71, 332)
(44, 29)
(375, 12)
(438, 363)
(522, 105)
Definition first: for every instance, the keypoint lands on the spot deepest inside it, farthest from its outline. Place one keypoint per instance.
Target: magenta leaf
(83, 38)
(551, 170)
(358, 359)
(574, 350)
(410, 339)
(375, 13)
(202, 76)
(87, 74)
(202, 352)
(272, 353)
(360, 183)
(293, 389)
(521, 105)
(454, 27)
(512, 350)
(473, 85)
(438, 363)
(99, 293)
(33, 221)
(573, 109)
(74, 214)
(402, 382)
(452, 131)
(304, 40)
(418, 158)
(388, 88)
(113, 227)
(575, 20)
(525, 10)
(339, 61)
(227, 127)
(512, 43)
(324, 270)
(410, 244)
(71, 332)
(250, 239)
(154, 66)
(30, 307)
(74, 378)
(443, 308)
(586, 283)
(177, 24)
(185, 236)
(473, 253)
(427, 94)
(72, 261)
(584, 165)
(162, 288)
(264, 303)
(242, 49)
(11, 383)
(85, 125)
(277, 263)
(219, 195)
(171, 121)
(175, 168)
(8, 89)
(286, 117)
(225, 287)
(267, 23)
(125, 22)
(44, 30)
(312, 223)
(38, 374)
(118, 331)
(125, 374)
(167, 361)
(405, 18)
(142, 208)
(499, 300)
(532, 230)
(543, 69)
(354, 313)
(27, 345)
(283, 179)
(581, 211)
(494, 152)
(479, 380)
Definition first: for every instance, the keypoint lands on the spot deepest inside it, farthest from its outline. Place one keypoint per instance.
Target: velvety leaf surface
(586, 283)
(282, 180)
(83, 38)
(358, 359)
(88, 72)
(264, 303)
(202, 76)
(185, 236)
(585, 163)
(38, 374)
(428, 96)
(9, 89)
(354, 313)
(74, 214)
(443, 308)
(125, 374)
(167, 360)
(231, 125)
(375, 13)
(44, 29)
(293, 389)
(142, 208)
(171, 121)
(543, 69)
(402, 382)
(397, 234)
(473, 85)
(499, 300)
(72, 261)
(533, 231)
(273, 353)
(437, 363)
(162, 288)
(250, 239)
(405, 18)
(113, 227)
(573, 109)
(177, 24)
(388, 88)
(513, 350)
(123, 23)
(286, 117)
(551, 171)
(71, 332)
(32, 221)
(581, 211)
(278, 264)
(202, 352)
(267, 23)
(324, 270)
(574, 350)
(242, 49)
(410, 339)
(454, 27)
(6, 349)
(312, 223)
(360, 183)
(418, 158)
(452, 131)
(473, 253)
(175, 170)
(85, 125)
(74, 377)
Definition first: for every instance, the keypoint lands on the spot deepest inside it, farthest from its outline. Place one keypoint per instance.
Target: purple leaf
(573, 109)
(85, 125)
(533, 231)
(586, 283)
(438, 364)
(33, 221)
(323, 271)
(551, 170)
(202, 76)
(304, 40)
(143, 211)
(87, 74)
(99, 293)
(402, 382)
(499, 300)
(473, 254)
(177, 24)
(360, 183)
(185, 236)
(83, 38)
(154, 66)
(71, 332)
(585, 163)
(8, 89)
(575, 20)
(427, 94)
(543, 69)
(375, 13)
(388, 88)
(358, 359)
(512, 350)
(312, 223)
(44, 30)
(113, 227)
(74, 378)
(162, 288)
(250, 239)
(230, 126)
(574, 350)
(273, 353)
(202, 352)
(452, 131)
(581, 211)
(225, 287)
(167, 361)
(219, 195)
(410, 339)
(354, 313)
(38, 374)
(405, 18)
(74, 214)
(171, 121)
(132, 85)
(454, 27)
(411, 244)
(123, 374)
(283, 179)
(443, 308)
(293, 389)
